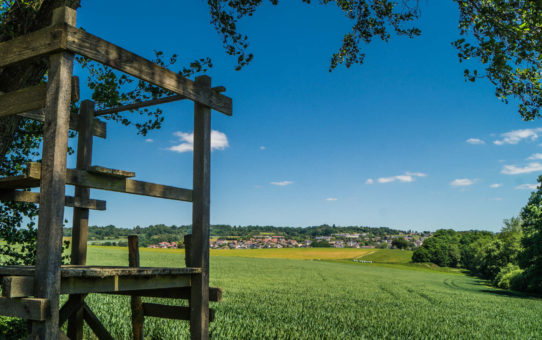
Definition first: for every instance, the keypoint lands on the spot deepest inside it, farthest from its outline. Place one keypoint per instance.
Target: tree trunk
(20, 20)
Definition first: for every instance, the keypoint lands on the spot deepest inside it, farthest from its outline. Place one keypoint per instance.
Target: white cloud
(462, 182)
(406, 178)
(331, 199)
(219, 141)
(475, 141)
(496, 185)
(149, 140)
(516, 136)
(262, 147)
(527, 187)
(369, 181)
(515, 170)
(282, 183)
(535, 156)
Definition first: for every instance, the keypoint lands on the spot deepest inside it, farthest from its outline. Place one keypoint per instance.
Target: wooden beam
(95, 324)
(97, 49)
(100, 170)
(135, 301)
(17, 286)
(80, 215)
(52, 184)
(90, 180)
(171, 312)
(215, 293)
(34, 197)
(99, 272)
(147, 103)
(27, 308)
(42, 42)
(99, 128)
(67, 310)
(23, 100)
(199, 255)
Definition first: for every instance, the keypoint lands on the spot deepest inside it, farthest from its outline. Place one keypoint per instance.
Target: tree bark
(18, 21)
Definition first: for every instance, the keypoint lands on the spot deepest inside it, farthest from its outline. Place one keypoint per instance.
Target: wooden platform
(18, 281)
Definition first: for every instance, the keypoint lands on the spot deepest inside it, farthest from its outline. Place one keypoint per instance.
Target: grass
(280, 298)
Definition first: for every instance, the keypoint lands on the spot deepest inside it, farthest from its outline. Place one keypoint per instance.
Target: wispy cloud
(516, 136)
(535, 156)
(369, 181)
(282, 183)
(262, 147)
(516, 170)
(462, 182)
(527, 187)
(331, 199)
(496, 185)
(149, 140)
(406, 178)
(219, 141)
(475, 141)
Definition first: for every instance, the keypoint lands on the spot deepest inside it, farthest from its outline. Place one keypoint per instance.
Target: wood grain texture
(94, 323)
(23, 100)
(97, 49)
(215, 294)
(26, 308)
(70, 307)
(199, 253)
(148, 103)
(170, 312)
(136, 304)
(51, 213)
(34, 197)
(100, 170)
(42, 42)
(80, 215)
(102, 271)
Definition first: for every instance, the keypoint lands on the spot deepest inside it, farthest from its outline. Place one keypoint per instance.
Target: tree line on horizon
(510, 259)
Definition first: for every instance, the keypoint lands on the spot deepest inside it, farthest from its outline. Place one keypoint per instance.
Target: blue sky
(401, 141)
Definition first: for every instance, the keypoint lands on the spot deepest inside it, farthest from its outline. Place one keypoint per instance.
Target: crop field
(276, 298)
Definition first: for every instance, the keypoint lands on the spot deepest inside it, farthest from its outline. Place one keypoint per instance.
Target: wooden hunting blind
(32, 292)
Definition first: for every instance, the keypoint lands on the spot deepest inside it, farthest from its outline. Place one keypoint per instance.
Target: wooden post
(187, 249)
(199, 254)
(135, 301)
(80, 215)
(52, 186)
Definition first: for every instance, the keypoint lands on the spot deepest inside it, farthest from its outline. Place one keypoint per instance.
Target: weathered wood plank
(67, 310)
(34, 197)
(171, 312)
(80, 215)
(215, 293)
(148, 103)
(90, 180)
(101, 271)
(199, 256)
(95, 324)
(17, 286)
(52, 185)
(90, 46)
(99, 128)
(27, 308)
(45, 41)
(100, 170)
(23, 100)
(135, 301)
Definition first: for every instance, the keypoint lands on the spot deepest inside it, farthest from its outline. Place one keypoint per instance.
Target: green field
(277, 298)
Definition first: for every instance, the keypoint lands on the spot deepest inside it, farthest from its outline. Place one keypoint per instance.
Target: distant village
(362, 240)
